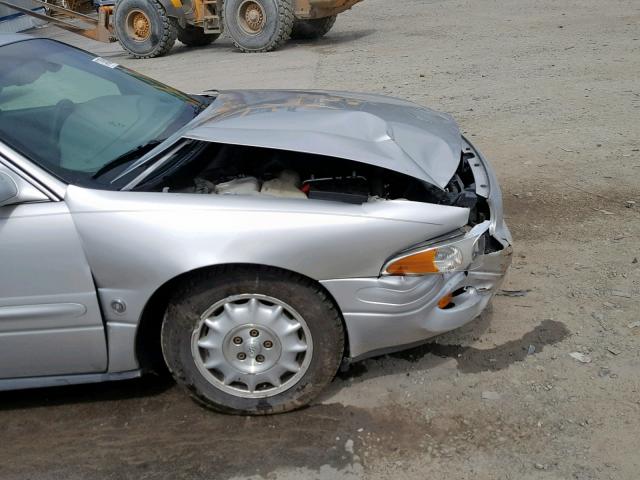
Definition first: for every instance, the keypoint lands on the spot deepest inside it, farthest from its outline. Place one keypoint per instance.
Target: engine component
(239, 186)
(467, 198)
(230, 169)
(284, 185)
(353, 189)
(203, 185)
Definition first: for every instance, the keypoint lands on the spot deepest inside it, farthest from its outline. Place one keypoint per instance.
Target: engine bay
(213, 169)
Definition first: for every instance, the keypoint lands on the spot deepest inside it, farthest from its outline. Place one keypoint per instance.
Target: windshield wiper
(126, 157)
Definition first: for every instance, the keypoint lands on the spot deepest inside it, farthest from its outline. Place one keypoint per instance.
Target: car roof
(7, 38)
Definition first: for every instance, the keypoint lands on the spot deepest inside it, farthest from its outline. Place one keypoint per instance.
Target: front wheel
(314, 28)
(258, 25)
(143, 28)
(252, 340)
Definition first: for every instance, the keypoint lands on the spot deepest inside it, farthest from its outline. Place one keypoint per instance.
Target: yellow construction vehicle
(149, 28)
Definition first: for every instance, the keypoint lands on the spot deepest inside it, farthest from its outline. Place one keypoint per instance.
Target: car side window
(51, 87)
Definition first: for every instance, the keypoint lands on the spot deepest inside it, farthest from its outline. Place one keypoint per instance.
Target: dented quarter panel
(137, 241)
(387, 313)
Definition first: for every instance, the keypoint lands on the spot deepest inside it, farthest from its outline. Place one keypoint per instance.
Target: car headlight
(433, 260)
(455, 255)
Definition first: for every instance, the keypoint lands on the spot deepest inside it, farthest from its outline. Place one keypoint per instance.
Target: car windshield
(80, 116)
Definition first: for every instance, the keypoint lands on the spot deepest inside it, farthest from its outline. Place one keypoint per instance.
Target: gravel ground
(550, 91)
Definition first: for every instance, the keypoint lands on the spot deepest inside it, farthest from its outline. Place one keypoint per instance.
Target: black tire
(315, 28)
(193, 36)
(275, 31)
(162, 32)
(204, 290)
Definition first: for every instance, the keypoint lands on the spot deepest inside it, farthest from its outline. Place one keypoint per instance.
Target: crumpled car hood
(378, 130)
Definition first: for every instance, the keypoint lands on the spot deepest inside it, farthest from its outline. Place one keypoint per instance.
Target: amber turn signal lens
(416, 264)
(445, 301)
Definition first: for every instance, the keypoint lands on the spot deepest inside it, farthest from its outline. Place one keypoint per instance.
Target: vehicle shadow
(334, 38)
(149, 386)
(225, 44)
(432, 352)
(468, 359)
(145, 428)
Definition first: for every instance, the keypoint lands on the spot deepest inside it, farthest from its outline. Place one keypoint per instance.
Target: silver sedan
(250, 241)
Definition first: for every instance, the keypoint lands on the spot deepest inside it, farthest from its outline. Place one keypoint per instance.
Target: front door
(50, 321)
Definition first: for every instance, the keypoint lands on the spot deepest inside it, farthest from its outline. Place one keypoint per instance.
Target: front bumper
(389, 312)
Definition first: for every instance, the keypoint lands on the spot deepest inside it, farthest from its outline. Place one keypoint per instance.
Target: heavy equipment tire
(252, 340)
(193, 36)
(258, 25)
(314, 28)
(143, 28)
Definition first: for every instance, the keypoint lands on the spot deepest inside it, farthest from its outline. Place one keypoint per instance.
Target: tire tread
(196, 282)
(169, 33)
(287, 18)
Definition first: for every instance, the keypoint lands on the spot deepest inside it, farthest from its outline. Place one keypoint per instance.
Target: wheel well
(148, 347)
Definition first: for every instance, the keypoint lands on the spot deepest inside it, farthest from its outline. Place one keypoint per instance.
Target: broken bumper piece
(388, 313)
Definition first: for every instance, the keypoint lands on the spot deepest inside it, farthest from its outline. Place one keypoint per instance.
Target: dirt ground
(550, 91)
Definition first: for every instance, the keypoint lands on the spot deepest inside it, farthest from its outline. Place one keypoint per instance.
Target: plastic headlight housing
(448, 258)
(443, 259)
(452, 256)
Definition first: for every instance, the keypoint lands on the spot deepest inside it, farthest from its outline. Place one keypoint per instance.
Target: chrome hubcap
(251, 348)
(252, 345)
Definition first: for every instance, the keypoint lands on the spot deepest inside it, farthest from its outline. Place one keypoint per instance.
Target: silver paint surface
(131, 243)
(386, 312)
(50, 322)
(7, 38)
(65, 380)
(136, 241)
